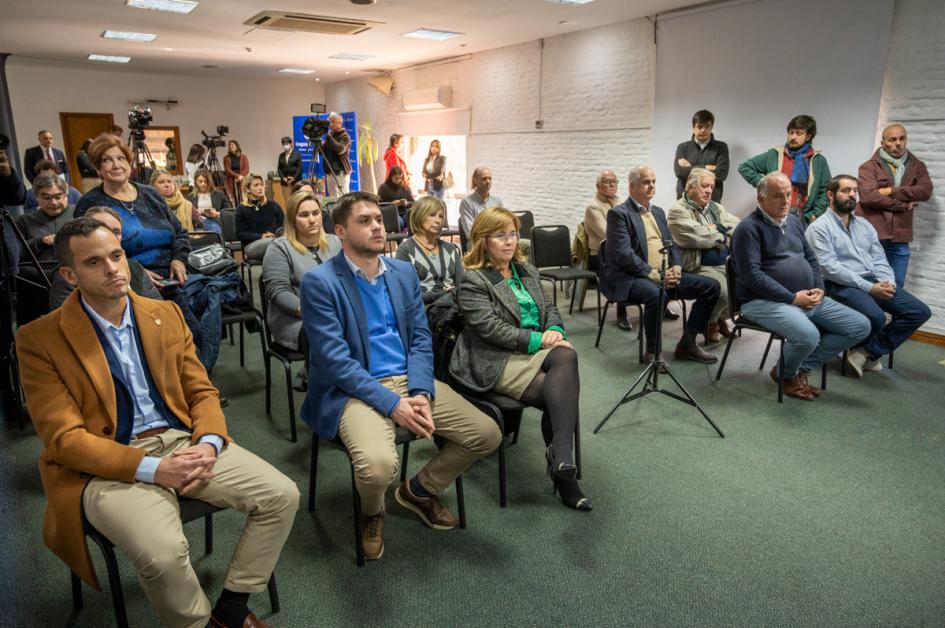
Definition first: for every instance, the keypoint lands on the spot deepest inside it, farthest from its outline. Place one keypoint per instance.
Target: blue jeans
(897, 254)
(908, 314)
(811, 336)
(440, 194)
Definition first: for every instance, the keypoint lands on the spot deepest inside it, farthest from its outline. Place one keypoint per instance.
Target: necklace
(129, 207)
(428, 249)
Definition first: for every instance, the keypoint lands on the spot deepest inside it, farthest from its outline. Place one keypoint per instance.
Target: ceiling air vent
(302, 23)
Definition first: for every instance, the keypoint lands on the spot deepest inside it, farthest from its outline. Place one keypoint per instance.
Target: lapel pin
(157, 321)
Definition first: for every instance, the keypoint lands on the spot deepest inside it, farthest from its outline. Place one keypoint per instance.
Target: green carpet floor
(824, 513)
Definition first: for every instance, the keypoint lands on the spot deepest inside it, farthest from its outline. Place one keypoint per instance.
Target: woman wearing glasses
(514, 342)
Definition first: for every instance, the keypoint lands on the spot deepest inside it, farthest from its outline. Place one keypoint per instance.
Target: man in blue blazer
(45, 150)
(371, 368)
(636, 231)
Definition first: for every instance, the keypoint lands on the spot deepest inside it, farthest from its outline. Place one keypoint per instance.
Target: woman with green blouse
(514, 342)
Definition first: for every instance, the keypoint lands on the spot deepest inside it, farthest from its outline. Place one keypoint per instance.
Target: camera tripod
(318, 154)
(215, 168)
(650, 377)
(8, 303)
(142, 163)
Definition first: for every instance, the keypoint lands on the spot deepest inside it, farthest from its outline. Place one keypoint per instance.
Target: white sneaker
(856, 358)
(873, 365)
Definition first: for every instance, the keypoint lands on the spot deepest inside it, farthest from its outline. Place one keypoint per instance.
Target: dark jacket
(715, 153)
(34, 155)
(291, 167)
(254, 220)
(337, 145)
(388, 193)
(86, 168)
(773, 263)
(35, 226)
(626, 259)
(493, 324)
(755, 168)
(430, 180)
(890, 215)
(12, 190)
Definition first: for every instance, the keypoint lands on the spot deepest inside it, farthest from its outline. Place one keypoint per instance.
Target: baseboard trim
(929, 338)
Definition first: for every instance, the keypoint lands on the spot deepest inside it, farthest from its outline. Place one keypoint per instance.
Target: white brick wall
(596, 101)
(914, 95)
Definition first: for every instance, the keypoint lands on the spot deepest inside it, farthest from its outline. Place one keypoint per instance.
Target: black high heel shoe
(564, 481)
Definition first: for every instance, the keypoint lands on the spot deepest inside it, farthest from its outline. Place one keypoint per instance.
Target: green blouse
(528, 312)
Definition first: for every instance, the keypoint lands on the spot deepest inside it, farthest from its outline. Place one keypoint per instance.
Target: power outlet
(539, 124)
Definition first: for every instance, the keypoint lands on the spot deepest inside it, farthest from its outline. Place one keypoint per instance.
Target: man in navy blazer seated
(371, 368)
(636, 230)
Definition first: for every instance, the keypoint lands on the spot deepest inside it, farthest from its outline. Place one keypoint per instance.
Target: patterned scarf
(898, 166)
(800, 172)
(182, 208)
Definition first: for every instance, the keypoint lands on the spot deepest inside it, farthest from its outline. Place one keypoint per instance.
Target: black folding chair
(742, 322)
(190, 510)
(285, 355)
(527, 220)
(391, 225)
(551, 254)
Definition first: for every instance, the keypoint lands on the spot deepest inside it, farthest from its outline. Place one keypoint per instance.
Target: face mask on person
(286, 146)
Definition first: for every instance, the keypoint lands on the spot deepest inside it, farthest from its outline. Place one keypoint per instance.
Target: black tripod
(318, 154)
(215, 168)
(651, 374)
(8, 301)
(142, 163)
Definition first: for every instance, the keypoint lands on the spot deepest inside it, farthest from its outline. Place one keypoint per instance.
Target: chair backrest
(734, 303)
(391, 218)
(203, 238)
(228, 225)
(264, 302)
(528, 223)
(551, 246)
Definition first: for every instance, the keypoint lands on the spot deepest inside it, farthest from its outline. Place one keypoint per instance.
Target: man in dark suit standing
(45, 150)
(290, 167)
(371, 369)
(636, 231)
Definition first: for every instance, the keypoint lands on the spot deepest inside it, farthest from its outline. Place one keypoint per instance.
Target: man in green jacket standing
(805, 167)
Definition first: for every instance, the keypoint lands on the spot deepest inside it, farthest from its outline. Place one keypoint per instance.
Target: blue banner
(304, 147)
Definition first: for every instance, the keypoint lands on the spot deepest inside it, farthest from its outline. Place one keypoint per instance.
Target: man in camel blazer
(129, 420)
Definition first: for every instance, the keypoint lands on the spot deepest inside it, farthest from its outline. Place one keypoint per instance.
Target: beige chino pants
(369, 438)
(143, 521)
(721, 306)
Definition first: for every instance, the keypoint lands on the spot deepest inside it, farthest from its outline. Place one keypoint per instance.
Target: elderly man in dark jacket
(892, 183)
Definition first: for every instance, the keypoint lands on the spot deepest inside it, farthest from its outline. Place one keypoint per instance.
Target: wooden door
(78, 127)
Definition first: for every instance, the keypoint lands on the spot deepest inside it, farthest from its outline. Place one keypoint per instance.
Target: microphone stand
(650, 377)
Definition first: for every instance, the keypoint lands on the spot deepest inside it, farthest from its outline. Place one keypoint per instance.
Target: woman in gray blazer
(514, 342)
(304, 246)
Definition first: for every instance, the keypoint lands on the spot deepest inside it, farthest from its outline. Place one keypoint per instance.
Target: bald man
(892, 183)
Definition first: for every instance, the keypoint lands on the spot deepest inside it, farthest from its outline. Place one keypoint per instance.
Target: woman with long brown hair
(236, 166)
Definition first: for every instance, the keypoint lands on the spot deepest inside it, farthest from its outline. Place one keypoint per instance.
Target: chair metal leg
(356, 499)
(460, 502)
(554, 291)
(403, 462)
(291, 398)
(601, 317)
(268, 357)
(229, 333)
(208, 534)
(843, 363)
(242, 349)
(114, 583)
(503, 489)
(312, 473)
(823, 377)
(889, 362)
(728, 347)
(764, 357)
(273, 594)
(780, 369)
(76, 592)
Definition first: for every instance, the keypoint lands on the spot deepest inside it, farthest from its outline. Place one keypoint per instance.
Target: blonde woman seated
(437, 262)
(304, 246)
(163, 181)
(514, 342)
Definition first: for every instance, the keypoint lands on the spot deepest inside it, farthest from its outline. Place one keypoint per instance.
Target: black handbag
(210, 260)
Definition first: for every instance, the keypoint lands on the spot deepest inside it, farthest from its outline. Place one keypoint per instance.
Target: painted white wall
(755, 69)
(596, 100)
(914, 95)
(258, 113)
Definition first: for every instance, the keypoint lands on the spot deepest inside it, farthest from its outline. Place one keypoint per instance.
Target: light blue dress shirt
(357, 272)
(847, 255)
(121, 339)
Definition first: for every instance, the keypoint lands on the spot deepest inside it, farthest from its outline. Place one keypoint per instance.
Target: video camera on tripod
(139, 118)
(212, 142)
(314, 129)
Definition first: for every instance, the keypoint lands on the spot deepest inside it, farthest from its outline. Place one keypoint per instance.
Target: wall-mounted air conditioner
(430, 98)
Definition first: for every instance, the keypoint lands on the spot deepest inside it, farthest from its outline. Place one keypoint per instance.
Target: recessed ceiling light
(169, 49)
(128, 36)
(351, 56)
(429, 33)
(172, 6)
(109, 58)
(347, 72)
(317, 79)
(296, 71)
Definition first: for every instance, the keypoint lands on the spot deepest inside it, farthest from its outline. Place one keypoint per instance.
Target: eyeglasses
(609, 182)
(504, 237)
(52, 197)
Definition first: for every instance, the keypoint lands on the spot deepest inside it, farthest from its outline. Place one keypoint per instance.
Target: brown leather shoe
(724, 329)
(251, 621)
(689, 350)
(429, 509)
(372, 535)
(713, 335)
(802, 376)
(792, 386)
